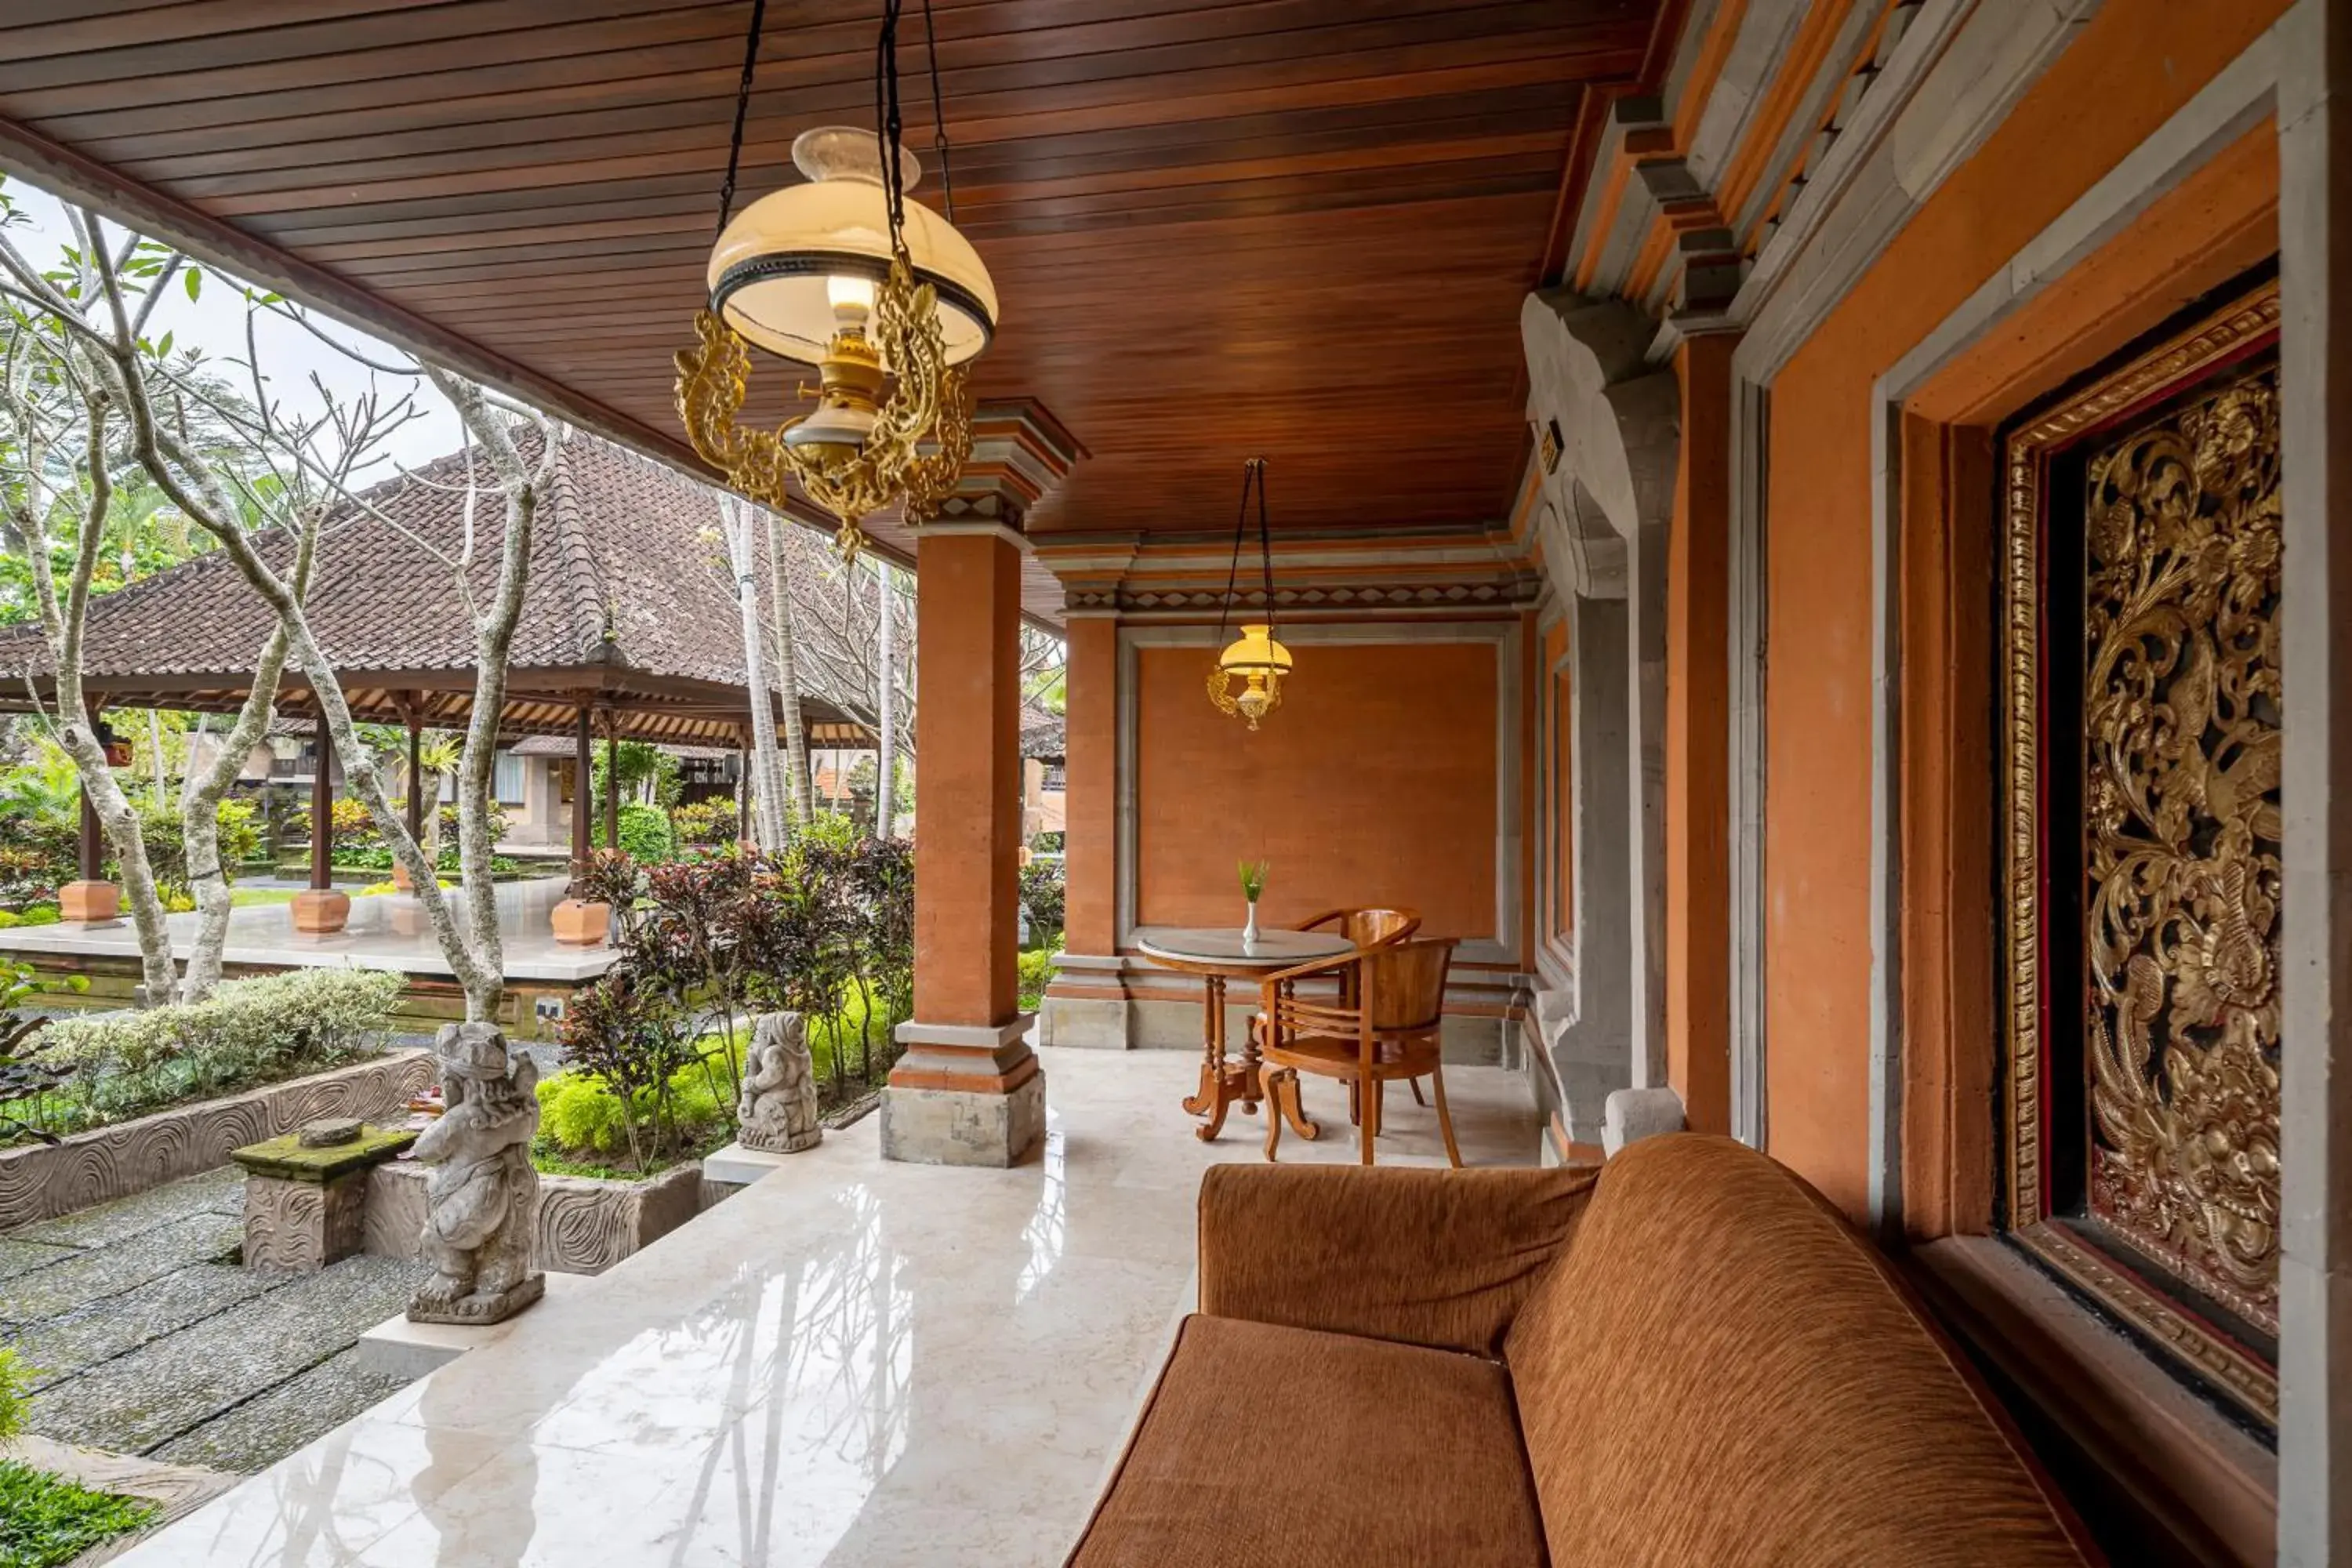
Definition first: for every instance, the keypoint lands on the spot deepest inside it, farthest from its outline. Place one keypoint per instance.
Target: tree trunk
(787, 682)
(739, 517)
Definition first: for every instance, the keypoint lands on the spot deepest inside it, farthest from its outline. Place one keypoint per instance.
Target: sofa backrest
(1718, 1370)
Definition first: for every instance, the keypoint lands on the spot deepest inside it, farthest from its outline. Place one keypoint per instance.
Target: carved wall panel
(2142, 741)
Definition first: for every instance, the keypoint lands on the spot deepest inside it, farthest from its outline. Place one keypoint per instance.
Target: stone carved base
(777, 1111)
(963, 1127)
(483, 1307)
(303, 1226)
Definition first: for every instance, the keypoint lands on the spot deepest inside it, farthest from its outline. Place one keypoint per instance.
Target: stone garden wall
(42, 1181)
(584, 1225)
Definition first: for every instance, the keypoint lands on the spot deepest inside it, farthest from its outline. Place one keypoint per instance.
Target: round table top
(1223, 945)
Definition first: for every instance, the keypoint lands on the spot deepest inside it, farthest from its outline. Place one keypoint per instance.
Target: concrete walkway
(149, 1339)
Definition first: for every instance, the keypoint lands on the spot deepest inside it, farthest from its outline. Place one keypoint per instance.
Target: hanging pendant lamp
(1255, 657)
(881, 294)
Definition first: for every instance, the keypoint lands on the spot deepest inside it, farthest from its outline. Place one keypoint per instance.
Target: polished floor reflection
(849, 1362)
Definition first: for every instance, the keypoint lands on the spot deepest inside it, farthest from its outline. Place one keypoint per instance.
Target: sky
(215, 323)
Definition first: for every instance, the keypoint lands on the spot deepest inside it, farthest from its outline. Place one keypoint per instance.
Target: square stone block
(304, 1225)
(321, 911)
(963, 1127)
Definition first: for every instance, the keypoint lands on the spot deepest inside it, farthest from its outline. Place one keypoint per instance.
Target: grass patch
(46, 1519)
(246, 897)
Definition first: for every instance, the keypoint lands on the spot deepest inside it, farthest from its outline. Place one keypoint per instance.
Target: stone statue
(777, 1111)
(482, 1192)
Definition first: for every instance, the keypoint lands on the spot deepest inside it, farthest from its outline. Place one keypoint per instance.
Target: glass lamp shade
(775, 274)
(1255, 653)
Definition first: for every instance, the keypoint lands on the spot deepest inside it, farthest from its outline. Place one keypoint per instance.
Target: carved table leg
(1212, 1052)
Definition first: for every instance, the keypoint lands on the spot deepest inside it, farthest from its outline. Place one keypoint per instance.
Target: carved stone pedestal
(306, 1193)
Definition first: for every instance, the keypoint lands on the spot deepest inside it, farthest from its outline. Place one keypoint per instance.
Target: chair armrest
(1442, 1259)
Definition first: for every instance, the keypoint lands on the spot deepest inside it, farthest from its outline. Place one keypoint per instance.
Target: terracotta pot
(400, 879)
(580, 925)
(321, 911)
(87, 902)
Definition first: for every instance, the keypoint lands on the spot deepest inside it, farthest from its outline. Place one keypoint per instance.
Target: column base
(321, 911)
(965, 1095)
(89, 903)
(963, 1127)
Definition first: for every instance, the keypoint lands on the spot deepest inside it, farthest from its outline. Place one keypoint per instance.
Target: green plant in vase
(1253, 873)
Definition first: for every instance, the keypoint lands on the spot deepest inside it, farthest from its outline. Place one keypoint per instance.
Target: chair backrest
(1368, 928)
(1717, 1369)
(1403, 985)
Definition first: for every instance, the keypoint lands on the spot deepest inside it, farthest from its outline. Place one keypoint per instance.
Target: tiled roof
(1042, 732)
(627, 549)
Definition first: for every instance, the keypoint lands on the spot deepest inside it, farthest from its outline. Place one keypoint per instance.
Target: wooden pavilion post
(584, 757)
(88, 900)
(578, 921)
(412, 713)
(321, 911)
(612, 784)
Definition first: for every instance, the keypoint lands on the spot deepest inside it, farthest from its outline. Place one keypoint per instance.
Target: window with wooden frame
(2140, 750)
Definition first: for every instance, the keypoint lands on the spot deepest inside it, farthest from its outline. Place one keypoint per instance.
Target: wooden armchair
(1390, 1030)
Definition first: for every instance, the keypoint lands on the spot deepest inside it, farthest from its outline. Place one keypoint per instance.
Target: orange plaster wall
(1373, 784)
(1698, 698)
(2133, 66)
(1090, 719)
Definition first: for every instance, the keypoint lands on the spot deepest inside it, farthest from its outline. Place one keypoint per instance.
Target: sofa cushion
(1717, 1370)
(1265, 1444)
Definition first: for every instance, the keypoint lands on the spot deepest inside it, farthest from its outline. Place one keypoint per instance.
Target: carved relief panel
(2141, 733)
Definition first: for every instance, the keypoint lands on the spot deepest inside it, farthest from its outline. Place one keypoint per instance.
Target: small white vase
(1249, 930)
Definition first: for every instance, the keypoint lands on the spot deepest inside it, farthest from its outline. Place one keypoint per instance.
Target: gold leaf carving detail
(2182, 764)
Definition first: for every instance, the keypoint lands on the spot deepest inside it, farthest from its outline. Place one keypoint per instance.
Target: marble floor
(386, 931)
(849, 1362)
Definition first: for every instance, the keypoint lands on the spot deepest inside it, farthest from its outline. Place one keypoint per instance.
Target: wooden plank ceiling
(1296, 228)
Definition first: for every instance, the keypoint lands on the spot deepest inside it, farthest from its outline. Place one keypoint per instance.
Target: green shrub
(1036, 973)
(644, 833)
(706, 822)
(1043, 895)
(46, 1520)
(39, 915)
(15, 1394)
(579, 1115)
(247, 1032)
(161, 829)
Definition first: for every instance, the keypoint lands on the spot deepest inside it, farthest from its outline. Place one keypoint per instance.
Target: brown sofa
(1685, 1358)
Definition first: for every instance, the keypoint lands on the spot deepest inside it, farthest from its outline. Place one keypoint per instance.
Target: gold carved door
(2141, 738)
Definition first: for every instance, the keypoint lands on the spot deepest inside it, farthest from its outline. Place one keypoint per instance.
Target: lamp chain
(743, 108)
(1233, 572)
(1265, 544)
(886, 122)
(939, 114)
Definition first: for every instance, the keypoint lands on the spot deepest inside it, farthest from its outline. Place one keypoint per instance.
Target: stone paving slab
(65, 1346)
(266, 1428)
(138, 1402)
(111, 1271)
(17, 1256)
(215, 1192)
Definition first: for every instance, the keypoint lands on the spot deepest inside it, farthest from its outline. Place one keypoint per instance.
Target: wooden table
(1217, 953)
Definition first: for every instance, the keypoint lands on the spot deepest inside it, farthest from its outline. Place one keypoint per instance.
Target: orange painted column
(1091, 736)
(967, 1091)
(1698, 862)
